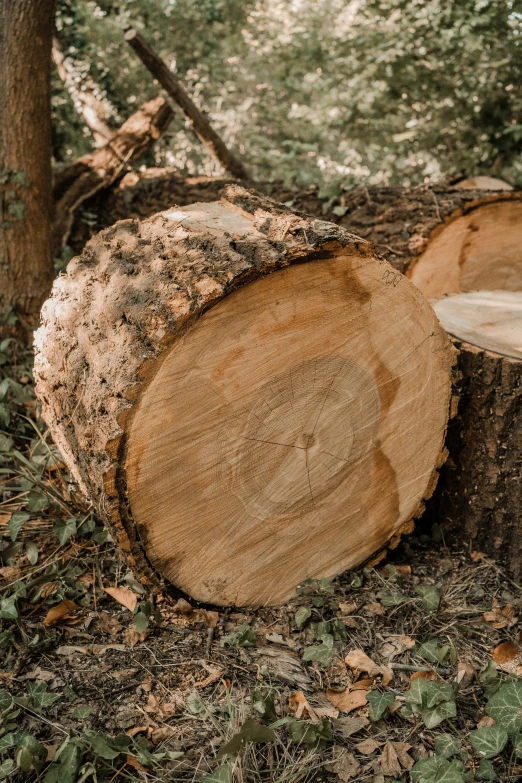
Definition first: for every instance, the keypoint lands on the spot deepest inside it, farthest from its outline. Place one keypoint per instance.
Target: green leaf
(447, 746)
(517, 744)
(263, 702)
(435, 715)
(310, 734)
(16, 208)
(505, 707)
(64, 768)
(490, 741)
(222, 774)
(431, 651)
(102, 746)
(324, 653)
(243, 636)
(8, 610)
(437, 770)
(302, 615)
(31, 551)
(18, 178)
(430, 596)
(65, 529)
(379, 703)
(40, 696)
(82, 712)
(392, 598)
(24, 759)
(250, 731)
(141, 621)
(486, 771)
(6, 700)
(6, 767)
(15, 523)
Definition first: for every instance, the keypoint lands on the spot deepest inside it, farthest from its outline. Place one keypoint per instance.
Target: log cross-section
(248, 395)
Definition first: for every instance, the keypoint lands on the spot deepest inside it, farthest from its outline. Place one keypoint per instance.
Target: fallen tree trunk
(90, 173)
(88, 104)
(201, 126)
(445, 239)
(478, 499)
(246, 400)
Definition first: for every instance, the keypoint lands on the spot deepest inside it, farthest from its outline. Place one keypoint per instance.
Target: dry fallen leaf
(374, 608)
(90, 649)
(188, 614)
(326, 712)
(425, 675)
(59, 611)
(505, 653)
(132, 761)
(485, 722)
(465, 673)
(346, 609)
(347, 700)
(389, 761)
(403, 570)
(10, 572)
(132, 636)
(350, 724)
(299, 707)
(39, 674)
(107, 623)
(367, 747)
(212, 677)
(344, 764)
(401, 749)
(358, 660)
(476, 556)
(123, 596)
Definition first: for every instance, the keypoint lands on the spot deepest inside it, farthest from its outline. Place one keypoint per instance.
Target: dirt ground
(407, 670)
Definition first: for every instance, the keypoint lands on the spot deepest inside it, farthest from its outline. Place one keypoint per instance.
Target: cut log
(249, 396)
(90, 173)
(444, 238)
(478, 499)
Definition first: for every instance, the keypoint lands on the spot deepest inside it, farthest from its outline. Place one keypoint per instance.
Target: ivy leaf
(302, 615)
(64, 529)
(505, 707)
(101, 747)
(243, 636)
(6, 767)
(8, 610)
(6, 700)
(64, 768)
(15, 523)
(435, 715)
(310, 734)
(517, 744)
(40, 696)
(250, 731)
(437, 770)
(490, 741)
(430, 596)
(222, 774)
(431, 651)
(447, 746)
(486, 771)
(141, 621)
(82, 712)
(379, 703)
(324, 653)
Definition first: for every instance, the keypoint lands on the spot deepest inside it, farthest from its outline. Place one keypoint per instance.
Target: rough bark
(201, 126)
(26, 260)
(400, 222)
(478, 500)
(90, 173)
(85, 97)
(136, 301)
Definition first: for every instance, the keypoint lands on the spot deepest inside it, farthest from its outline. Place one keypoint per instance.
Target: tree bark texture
(90, 173)
(26, 259)
(222, 378)
(478, 500)
(201, 126)
(400, 222)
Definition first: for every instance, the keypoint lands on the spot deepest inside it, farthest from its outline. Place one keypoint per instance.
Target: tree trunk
(478, 499)
(445, 239)
(231, 384)
(87, 102)
(90, 173)
(26, 259)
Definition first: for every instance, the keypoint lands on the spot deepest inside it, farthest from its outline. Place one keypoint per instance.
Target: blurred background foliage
(325, 91)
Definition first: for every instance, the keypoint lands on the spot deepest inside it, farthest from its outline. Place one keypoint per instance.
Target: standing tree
(26, 260)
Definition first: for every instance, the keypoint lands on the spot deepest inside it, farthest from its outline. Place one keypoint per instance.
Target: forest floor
(383, 674)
